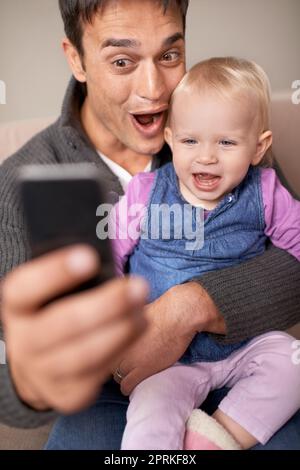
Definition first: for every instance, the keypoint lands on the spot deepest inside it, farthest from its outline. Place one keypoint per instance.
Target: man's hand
(60, 353)
(173, 320)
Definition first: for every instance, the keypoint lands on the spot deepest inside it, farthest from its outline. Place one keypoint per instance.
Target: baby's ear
(168, 137)
(263, 144)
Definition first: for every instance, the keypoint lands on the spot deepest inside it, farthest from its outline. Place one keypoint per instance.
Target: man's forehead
(159, 6)
(126, 18)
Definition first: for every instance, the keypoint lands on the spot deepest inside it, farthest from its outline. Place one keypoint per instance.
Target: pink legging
(265, 393)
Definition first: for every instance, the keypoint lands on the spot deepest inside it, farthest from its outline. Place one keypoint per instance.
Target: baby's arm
(126, 218)
(282, 214)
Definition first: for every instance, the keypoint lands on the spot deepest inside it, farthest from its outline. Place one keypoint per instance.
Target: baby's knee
(285, 358)
(153, 386)
(169, 382)
(285, 346)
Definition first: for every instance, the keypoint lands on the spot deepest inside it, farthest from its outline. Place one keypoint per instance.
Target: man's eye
(189, 141)
(171, 56)
(122, 63)
(227, 143)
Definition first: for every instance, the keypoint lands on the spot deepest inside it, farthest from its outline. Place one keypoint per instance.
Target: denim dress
(233, 233)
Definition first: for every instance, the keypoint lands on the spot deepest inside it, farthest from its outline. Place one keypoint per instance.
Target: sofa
(285, 125)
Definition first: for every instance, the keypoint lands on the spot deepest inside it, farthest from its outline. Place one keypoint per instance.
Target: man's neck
(108, 146)
(132, 162)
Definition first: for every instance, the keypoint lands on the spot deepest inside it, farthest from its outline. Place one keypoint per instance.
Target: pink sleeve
(126, 217)
(282, 214)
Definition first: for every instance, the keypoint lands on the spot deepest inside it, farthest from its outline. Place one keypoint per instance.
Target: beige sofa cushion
(19, 439)
(14, 135)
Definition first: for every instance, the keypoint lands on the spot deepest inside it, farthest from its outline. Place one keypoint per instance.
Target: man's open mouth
(147, 119)
(149, 125)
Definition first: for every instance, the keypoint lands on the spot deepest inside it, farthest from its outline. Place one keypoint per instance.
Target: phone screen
(60, 204)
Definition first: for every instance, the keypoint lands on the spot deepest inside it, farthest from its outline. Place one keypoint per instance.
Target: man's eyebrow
(113, 42)
(171, 39)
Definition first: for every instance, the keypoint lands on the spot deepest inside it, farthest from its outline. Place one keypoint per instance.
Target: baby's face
(214, 140)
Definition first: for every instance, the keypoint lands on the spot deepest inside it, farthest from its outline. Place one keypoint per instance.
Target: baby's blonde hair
(230, 76)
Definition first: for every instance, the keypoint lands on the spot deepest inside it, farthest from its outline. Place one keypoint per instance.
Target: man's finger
(130, 381)
(37, 282)
(82, 314)
(95, 351)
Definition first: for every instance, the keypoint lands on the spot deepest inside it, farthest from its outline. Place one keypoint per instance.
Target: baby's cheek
(237, 168)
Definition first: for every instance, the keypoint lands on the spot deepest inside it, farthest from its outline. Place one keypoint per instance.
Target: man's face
(134, 56)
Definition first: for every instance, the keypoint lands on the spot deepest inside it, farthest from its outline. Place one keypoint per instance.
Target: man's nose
(151, 85)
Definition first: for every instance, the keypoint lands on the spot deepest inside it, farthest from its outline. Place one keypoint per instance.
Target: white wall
(34, 70)
(267, 31)
(31, 61)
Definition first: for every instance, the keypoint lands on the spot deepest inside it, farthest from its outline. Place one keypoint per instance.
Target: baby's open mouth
(206, 178)
(206, 181)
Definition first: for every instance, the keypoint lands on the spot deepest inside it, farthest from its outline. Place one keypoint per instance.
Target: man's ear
(168, 137)
(74, 60)
(263, 144)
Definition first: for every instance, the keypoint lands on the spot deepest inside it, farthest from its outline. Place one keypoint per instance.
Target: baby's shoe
(203, 432)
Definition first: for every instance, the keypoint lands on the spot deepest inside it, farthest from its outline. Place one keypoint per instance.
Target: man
(126, 61)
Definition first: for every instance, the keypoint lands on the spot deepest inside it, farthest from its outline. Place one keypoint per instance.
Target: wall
(267, 31)
(31, 61)
(33, 67)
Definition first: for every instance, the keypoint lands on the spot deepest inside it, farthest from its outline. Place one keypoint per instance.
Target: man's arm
(234, 304)
(264, 293)
(53, 353)
(260, 295)
(60, 353)
(13, 412)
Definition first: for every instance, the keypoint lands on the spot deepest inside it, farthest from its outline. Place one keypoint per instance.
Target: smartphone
(60, 204)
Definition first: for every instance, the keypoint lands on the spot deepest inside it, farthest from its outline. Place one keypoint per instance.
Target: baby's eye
(190, 141)
(227, 142)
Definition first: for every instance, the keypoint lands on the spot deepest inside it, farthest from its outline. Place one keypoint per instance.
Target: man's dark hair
(77, 12)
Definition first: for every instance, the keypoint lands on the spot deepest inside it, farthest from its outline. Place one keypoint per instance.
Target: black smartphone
(61, 206)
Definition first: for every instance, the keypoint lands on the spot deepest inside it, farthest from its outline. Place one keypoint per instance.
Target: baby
(219, 134)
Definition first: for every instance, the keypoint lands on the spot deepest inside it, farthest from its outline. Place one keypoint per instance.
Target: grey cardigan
(255, 297)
